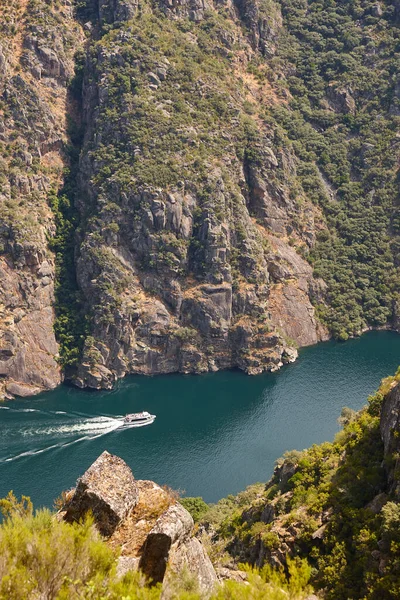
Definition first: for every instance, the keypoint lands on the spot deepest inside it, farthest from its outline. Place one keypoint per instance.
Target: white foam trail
(97, 424)
(30, 453)
(81, 439)
(70, 415)
(109, 425)
(4, 460)
(24, 410)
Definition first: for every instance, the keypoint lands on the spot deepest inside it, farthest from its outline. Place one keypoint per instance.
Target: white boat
(138, 419)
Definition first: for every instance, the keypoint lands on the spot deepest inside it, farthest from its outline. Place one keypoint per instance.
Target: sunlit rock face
(146, 523)
(184, 261)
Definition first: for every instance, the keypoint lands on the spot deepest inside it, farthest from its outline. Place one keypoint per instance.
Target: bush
(41, 557)
(196, 506)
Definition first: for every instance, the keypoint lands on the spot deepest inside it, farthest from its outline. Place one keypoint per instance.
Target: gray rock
(108, 490)
(377, 503)
(153, 78)
(174, 525)
(142, 521)
(390, 420)
(377, 10)
(341, 99)
(22, 389)
(224, 574)
(117, 10)
(190, 555)
(390, 428)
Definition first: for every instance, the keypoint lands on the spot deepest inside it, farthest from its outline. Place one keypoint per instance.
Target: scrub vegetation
(342, 63)
(330, 504)
(44, 558)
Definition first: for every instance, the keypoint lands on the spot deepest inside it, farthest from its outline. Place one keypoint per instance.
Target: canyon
(162, 209)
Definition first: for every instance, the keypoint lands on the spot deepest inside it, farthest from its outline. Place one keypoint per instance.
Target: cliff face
(184, 188)
(224, 204)
(36, 61)
(390, 428)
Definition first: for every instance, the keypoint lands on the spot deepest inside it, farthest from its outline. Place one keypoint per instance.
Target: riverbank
(214, 433)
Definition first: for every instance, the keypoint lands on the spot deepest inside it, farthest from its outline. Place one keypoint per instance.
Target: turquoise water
(214, 434)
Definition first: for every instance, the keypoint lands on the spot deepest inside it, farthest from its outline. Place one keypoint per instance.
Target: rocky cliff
(153, 532)
(36, 63)
(336, 504)
(390, 427)
(181, 194)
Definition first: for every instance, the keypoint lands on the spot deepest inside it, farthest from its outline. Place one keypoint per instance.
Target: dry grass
(12, 19)
(132, 532)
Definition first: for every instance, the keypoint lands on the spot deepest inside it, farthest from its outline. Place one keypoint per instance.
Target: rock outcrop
(390, 430)
(108, 490)
(174, 263)
(290, 299)
(36, 61)
(152, 531)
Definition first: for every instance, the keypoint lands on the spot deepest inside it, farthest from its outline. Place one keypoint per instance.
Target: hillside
(335, 504)
(325, 526)
(193, 186)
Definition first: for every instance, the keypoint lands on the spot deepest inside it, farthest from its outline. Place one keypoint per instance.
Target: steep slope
(232, 185)
(342, 70)
(37, 42)
(336, 504)
(185, 186)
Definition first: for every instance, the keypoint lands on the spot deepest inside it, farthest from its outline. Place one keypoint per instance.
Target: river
(214, 434)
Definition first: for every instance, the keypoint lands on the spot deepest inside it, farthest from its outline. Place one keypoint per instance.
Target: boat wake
(96, 425)
(92, 428)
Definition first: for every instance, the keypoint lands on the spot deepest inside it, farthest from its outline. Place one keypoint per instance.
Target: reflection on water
(214, 433)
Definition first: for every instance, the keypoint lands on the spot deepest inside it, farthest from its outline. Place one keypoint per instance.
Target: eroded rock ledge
(144, 521)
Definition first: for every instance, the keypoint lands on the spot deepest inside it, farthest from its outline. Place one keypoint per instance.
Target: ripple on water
(214, 433)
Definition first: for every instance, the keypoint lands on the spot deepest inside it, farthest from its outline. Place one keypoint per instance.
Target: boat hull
(139, 423)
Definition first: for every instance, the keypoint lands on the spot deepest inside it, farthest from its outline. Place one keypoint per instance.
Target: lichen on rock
(153, 532)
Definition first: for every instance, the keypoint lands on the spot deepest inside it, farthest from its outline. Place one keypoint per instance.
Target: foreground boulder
(145, 522)
(174, 525)
(108, 490)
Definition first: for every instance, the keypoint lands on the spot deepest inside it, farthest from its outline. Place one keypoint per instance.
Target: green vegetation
(42, 557)
(174, 129)
(196, 506)
(357, 553)
(342, 120)
(70, 325)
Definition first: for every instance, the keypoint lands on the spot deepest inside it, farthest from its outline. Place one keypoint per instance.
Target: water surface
(214, 433)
